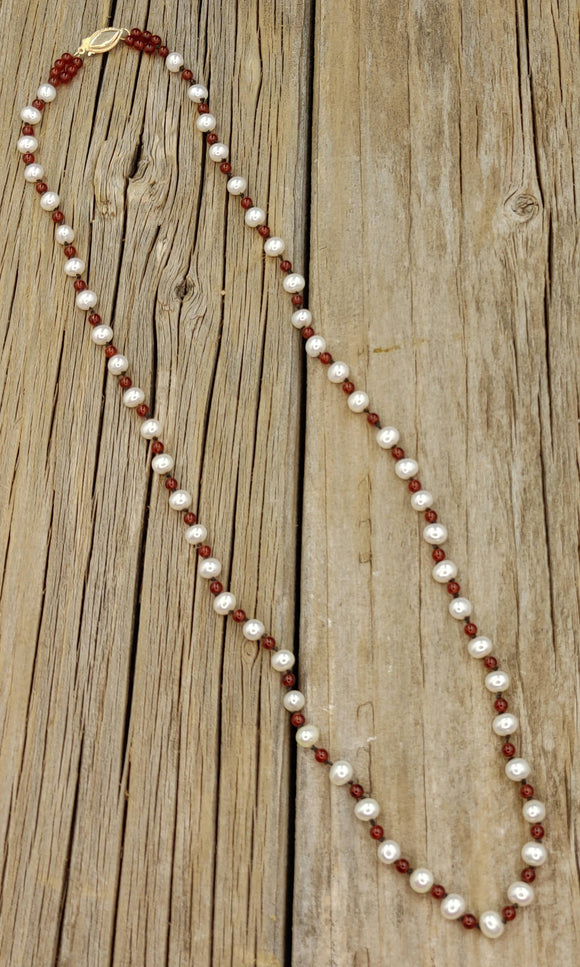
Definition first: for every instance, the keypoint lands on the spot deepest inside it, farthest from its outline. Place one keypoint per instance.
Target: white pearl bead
(253, 629)
(197, 92)
(505, 724)
(46, 92)
(224, 602)
(162, 462)
(480, 646)
(118, 364)
(30, 114)
(491, 924)
(307, 736)
(150, 428)
(173, 62)
(435, 533)
(282, 661)
(534, 853)
(33, 172)
(340, 772)
(101, 335)
(74, 267)
(406, 468)
(315, 345)
(133, 396)
(219, 151)
(64, 234)
(387, 437)
(86, 299)
(205, 122)
(301, 318)
(453, 906)
(460, 608)
(237, 185)
(520, 893)
(534, 811)
(196, 534)
(497, 681)
(517, 769)
(337, 372)
(255, 216)
(357, 401)
(421, 880)
(180, 500)
(421, 500)
(367, 809)
(26, 144)
(274, 246)
(293, 282)
(444, 571)
(389, 851)
(293, 701)
(209, 568)
(49, 200)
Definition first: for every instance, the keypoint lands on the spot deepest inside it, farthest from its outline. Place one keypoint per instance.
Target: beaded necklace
(340, 772)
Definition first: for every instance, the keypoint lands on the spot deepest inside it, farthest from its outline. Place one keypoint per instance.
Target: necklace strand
(340, 772)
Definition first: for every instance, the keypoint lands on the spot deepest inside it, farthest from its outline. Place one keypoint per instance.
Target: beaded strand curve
(340, 772)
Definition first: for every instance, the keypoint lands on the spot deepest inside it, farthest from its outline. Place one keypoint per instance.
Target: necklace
(339, 771)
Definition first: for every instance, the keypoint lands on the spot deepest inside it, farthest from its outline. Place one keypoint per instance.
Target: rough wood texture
(420, 160)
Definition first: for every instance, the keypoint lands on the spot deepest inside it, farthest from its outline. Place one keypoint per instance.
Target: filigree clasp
(102, 40)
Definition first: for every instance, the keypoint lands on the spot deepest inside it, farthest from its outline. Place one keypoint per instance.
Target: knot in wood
(522, 206)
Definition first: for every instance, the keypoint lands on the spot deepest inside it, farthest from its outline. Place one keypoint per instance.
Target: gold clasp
(102, 40)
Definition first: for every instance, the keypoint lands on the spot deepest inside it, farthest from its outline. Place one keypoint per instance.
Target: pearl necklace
(340, 772)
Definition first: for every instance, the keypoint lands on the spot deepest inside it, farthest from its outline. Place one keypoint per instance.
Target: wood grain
(419, 160)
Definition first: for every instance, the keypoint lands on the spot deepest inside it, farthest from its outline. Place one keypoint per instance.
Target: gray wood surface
(419, 160)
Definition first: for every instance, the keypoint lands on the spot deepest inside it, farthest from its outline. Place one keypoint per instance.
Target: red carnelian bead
(453, 587)
(203, 108)
(321, 755)
(67, 57)
(146, 35)
(139, 44)
(500, 705)
(397, 453)
(402, 865)
(438, 891)
(58, 217)
(508, 749)
(471, 630)
(509, 913)
(189, 518)
(211, 138)
(225, 167)
(285, 265)
(288, 680)
(77, 62)
(377, 832)
(110, 351)
(306, 332)
(372, 418)
(246, 202)
(171, 483)
(28, 129)
(59, 64)
(216, 587)
(142, 409)
(490, 662)
(38, 104)
(129, 41)
(297, 299)
(65, 77)
(469, 921)
(239, 615)
(94, 318)
(204, 550)
(155, 40)
(356, 791)
(264, 231)
(537, 831)
(325, 358)
(149, 48)
(125, 382)
(438, 554)
(70, 251)
(163, 51)
(268, 642)
(348, 387)
(28, 158)
(41, 187)
(527, 791)
(430, 516)
(79, 285)
(297, 719)
(414, 486)
(187, 75)
(157, 446)
(136, 33)
(528, 875)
